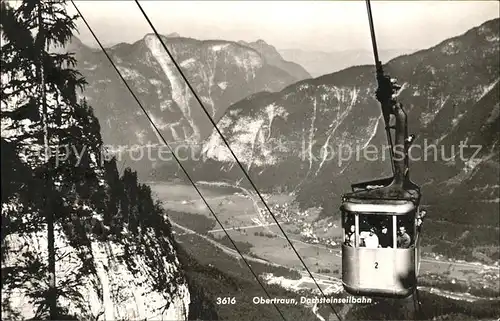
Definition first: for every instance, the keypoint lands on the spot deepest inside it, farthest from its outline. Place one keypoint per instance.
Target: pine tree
(56, 135)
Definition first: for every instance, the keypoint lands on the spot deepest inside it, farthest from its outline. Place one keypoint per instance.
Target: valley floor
(246, 223)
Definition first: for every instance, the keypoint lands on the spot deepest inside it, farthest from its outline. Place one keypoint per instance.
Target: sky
(310, 25)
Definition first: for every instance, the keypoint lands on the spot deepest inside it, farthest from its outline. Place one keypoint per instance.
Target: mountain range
(294, 136)
(222, 73)
(299, 139)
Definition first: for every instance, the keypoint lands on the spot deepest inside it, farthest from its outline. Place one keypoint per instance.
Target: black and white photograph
(250, 160)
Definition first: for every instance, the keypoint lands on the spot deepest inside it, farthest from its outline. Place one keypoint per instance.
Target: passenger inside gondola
(370, 224)
(385, 238)
(404, 239)
(363, 231)
(349, 229)
(350, 236)
(370, 239)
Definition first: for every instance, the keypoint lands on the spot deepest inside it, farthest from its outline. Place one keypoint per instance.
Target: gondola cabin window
(372, 230)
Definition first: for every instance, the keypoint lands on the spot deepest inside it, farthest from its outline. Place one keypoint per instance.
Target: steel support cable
(176, 158)
(231, 151)
(372, 34)
(380, 78)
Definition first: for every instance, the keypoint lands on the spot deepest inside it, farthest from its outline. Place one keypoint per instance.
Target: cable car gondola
(381, 218)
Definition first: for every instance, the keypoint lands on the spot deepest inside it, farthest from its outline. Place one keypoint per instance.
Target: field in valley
(232, 210)
(237, 213)
(277, 249)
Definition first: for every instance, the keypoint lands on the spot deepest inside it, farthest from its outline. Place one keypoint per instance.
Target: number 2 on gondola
(376, 265)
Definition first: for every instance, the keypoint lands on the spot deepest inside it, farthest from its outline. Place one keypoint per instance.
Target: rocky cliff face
(274, 58)
(110, 264)
(221, 72)
(131, 279)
